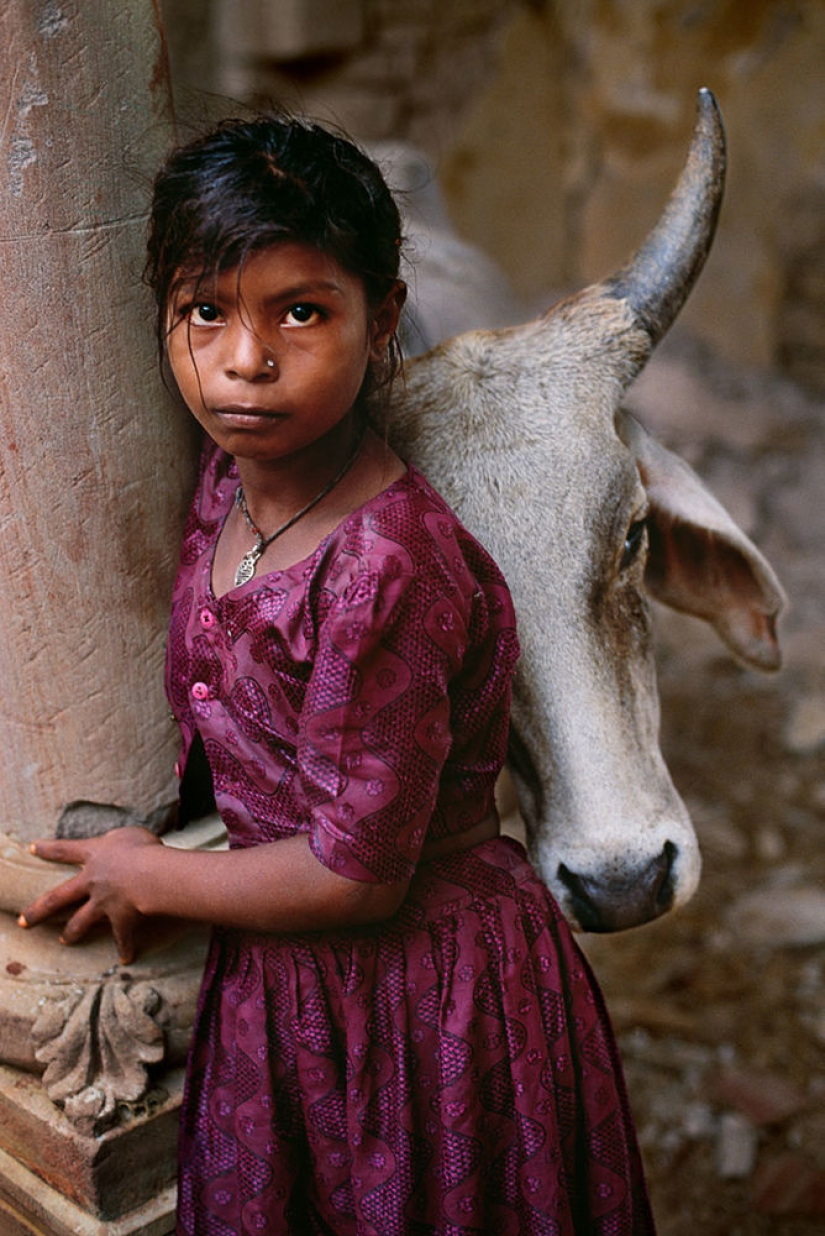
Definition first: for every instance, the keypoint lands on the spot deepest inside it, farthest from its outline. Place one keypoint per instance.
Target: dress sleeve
(375, 727)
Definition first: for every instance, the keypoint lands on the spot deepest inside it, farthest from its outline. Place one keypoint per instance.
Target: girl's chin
(258, 437)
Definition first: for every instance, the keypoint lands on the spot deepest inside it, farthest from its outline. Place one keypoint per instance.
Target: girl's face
(269, 358)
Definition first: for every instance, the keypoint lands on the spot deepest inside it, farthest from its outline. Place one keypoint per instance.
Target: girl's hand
(101, 887)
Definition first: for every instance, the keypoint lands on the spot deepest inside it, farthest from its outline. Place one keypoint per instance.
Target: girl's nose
(249, 356)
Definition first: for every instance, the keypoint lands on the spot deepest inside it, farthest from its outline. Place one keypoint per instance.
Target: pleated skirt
(449, 1072)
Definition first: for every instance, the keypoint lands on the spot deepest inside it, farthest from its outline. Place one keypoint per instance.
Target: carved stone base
(55, 1181)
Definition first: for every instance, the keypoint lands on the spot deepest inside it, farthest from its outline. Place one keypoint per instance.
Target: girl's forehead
(281, 260)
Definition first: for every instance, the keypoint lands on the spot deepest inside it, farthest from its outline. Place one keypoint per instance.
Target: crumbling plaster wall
(558, 126)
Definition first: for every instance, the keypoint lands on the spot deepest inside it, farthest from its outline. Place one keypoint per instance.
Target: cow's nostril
(608, 904)
(665, 885)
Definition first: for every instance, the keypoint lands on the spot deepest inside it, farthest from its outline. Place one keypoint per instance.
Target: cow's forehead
(557, 374)
(527, 425)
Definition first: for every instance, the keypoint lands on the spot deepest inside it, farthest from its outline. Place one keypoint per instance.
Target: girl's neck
(279, 498)
(275, 489)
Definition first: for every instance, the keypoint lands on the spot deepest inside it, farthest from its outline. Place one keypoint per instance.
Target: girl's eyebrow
(300, 291)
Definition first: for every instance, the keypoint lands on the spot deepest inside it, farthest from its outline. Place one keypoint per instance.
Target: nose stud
(270, 363)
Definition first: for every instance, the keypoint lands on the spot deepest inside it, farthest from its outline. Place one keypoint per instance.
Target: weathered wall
(627, 78)
(558, 126)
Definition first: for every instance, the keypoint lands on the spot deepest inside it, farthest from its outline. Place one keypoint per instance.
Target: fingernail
(32, 848)
(22, 921)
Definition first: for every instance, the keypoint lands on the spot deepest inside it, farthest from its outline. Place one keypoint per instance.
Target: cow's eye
(634, 542)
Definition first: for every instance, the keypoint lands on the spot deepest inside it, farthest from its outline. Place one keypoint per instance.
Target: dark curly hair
(249, 184)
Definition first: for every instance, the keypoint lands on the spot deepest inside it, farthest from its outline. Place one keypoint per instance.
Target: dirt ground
(720, 1007)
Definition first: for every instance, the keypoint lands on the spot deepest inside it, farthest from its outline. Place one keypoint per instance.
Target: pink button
(207, 619)
(200, 691)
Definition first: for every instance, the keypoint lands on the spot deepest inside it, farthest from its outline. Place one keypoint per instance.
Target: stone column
(95, 465)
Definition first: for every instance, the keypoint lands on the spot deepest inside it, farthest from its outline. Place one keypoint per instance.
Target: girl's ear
(385, 320)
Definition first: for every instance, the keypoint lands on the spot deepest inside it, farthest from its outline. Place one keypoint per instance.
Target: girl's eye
(302, 315)
(635, 541)
(203, 314)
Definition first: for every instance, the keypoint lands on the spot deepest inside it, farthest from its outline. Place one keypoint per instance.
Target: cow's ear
(700, 562)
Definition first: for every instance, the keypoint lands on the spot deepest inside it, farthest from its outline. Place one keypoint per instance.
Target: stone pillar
(95, 466)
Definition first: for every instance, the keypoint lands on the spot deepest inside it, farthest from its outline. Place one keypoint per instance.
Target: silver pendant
(246, 566)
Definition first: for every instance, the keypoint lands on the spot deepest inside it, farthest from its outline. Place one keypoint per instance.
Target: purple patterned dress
(448, 1072)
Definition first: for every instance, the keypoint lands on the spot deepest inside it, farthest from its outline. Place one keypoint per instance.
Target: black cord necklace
(248, 564)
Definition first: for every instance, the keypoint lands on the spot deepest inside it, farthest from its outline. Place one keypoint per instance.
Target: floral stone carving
(96, 1044)
(98, 1032)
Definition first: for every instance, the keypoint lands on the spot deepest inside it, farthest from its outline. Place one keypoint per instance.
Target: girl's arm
(129, 875)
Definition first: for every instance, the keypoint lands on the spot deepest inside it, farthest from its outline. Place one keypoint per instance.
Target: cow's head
(522, 431)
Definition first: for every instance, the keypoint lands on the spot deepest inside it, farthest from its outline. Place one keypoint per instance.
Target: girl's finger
(84, 918)
(57, 850)
(53, 901)
(124, 942)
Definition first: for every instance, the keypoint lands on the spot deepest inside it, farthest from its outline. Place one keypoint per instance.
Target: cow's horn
(658, 278)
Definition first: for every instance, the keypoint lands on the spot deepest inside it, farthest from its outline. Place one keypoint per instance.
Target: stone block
(102, 1178)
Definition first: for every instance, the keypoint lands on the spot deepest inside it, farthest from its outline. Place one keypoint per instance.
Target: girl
(396, 1035)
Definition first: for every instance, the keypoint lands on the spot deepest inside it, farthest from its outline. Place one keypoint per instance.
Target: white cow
(522, 431)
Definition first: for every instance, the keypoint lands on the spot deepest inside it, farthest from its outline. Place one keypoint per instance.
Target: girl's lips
(240, 415)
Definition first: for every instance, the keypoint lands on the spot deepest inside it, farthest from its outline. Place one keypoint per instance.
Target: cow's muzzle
(601, 905)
